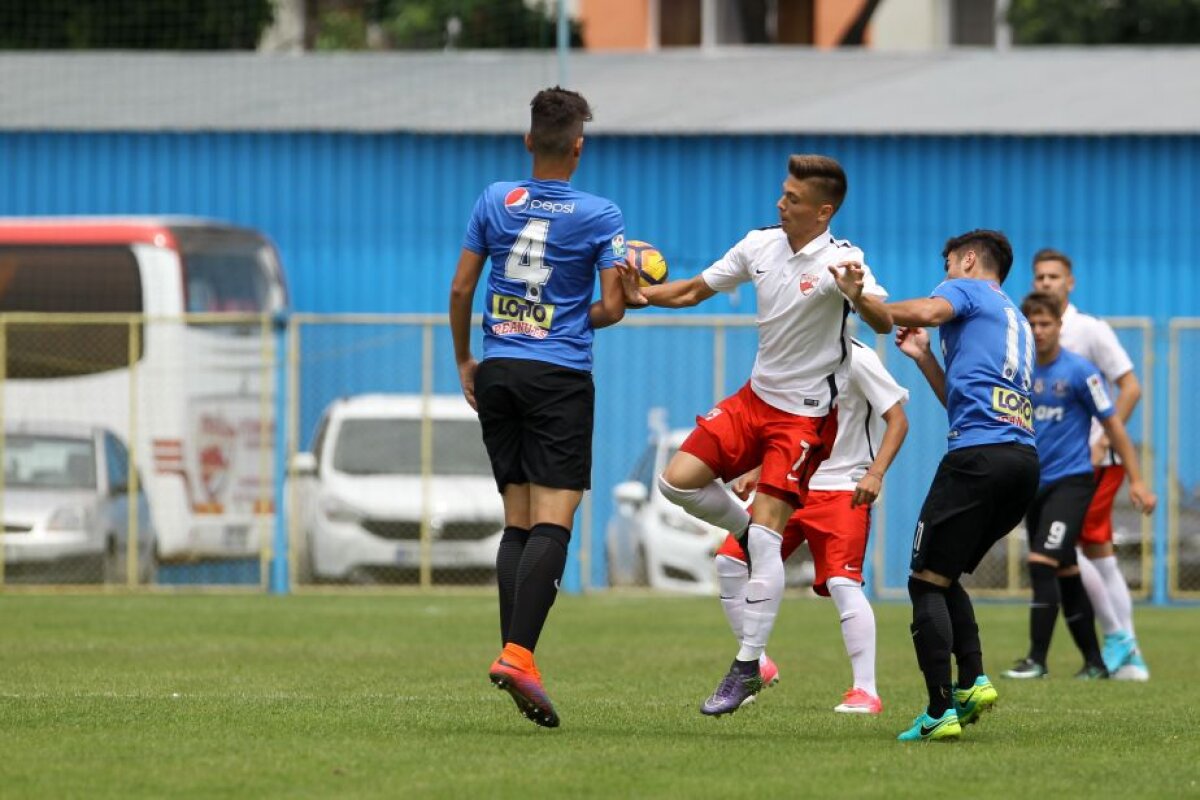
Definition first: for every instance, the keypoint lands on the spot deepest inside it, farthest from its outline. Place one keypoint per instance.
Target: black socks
(1043, 609)
(508, 558)
(538, 573)
(968, 650)
(1080, 618)
(933, 637)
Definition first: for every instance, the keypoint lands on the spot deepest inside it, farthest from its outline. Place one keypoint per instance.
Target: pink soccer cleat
(859, 701)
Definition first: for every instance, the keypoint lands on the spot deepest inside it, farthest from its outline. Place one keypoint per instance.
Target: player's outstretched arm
(921, 312)
(1129, 392)
(870, 485)
(610, 308)
(677, 294)
(914, 343)
(1142, 498)
(462, 297)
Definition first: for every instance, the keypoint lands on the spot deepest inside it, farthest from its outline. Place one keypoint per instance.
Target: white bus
(203, 421)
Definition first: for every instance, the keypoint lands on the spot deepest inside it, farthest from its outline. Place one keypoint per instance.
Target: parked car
(359, 495)
(66, 506)
(652, 542)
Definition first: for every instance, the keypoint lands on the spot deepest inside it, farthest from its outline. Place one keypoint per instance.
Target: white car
(652, 542)
(359, 496)
(66, 506)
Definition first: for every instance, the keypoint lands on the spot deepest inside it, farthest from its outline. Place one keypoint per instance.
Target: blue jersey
(546, 242)
(1067, 393)
(988, 349)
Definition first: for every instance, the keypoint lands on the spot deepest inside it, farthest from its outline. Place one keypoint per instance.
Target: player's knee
(729, 567)
(680, 497)
(555, 533)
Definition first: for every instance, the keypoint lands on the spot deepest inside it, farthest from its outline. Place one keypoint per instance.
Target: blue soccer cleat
(970, 703)
(1118, 647)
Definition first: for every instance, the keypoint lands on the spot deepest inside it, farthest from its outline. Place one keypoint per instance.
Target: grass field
(387, 696)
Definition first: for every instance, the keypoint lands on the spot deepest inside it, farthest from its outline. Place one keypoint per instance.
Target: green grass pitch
(387, 696)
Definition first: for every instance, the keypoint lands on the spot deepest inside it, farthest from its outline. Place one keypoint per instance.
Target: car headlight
(336, 510)
(68, 518)
(683, 524)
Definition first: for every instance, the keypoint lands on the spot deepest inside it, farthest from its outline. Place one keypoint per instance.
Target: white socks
(710, 503)
(1098, 594)
(858, 630)
(1118, 592)
(732, 577)
(764, 591)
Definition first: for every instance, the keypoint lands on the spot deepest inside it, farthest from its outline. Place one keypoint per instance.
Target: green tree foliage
(435, 24)
(133, 24)
(1139, 22)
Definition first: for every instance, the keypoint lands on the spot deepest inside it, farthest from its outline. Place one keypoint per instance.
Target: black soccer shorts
(537, 422)
(1055, 517)
(978, 495)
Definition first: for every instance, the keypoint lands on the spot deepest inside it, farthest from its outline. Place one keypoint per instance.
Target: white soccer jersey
(803, 347)
(870, 391)
(1095, 340)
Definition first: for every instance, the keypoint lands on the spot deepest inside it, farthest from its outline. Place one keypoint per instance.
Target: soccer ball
(649, 262)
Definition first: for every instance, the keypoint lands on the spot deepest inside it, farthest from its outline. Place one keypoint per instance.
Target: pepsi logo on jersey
(519, 200)
(516, 200)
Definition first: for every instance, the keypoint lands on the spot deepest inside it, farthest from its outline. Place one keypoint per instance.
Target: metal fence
(194, 403)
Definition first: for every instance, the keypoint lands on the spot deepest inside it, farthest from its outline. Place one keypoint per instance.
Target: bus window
(228, 280)
(75, 279)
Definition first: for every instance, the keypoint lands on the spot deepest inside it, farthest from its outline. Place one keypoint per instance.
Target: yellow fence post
(263, 508)
(1173, 389)
(132, 488)
(426, 455)
(292, 432)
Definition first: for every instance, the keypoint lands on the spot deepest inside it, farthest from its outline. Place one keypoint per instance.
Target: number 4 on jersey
(527, 260)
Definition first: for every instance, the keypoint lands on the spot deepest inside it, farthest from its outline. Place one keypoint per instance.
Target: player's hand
(867, 490)
(913, 342)
(1100, 451)
(466, 377)
(634, 298)
(849, 276)
(743, 485)
(1142, 498)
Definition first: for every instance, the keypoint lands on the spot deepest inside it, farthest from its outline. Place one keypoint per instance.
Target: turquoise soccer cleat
(927, 729)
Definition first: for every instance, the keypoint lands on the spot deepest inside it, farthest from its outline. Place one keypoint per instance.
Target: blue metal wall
(374, 222)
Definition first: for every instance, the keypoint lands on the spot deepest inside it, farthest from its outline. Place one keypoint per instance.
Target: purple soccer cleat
(734, 690)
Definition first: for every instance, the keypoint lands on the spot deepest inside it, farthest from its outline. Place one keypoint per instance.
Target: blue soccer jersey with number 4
(546, 242)
(988, 349)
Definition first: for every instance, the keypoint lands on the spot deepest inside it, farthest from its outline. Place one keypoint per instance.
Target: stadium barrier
(196, 394)
(100, 410)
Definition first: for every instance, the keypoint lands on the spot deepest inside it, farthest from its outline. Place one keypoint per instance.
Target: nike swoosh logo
(756, 602)
(926, 731)
(556, 586)
(724, 597)
(792, 478)
(761, 271)
(849, 568)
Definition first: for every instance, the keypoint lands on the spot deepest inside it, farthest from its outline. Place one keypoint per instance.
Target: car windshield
(48, 462)
(382, 446)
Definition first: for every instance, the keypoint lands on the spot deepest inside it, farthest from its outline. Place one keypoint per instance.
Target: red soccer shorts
(836, 535)
(1097, 525)
(744, 431)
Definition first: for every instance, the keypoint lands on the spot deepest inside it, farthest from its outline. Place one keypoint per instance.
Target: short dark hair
(1050, 254)
(1041, 302)
(556, 118)
(825, 173)
(992, 246)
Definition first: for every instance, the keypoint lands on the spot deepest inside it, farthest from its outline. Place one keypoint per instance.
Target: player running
(836, 521)
(785, 417)
(988, 475)
(533, 390)
(1068, 393)
(1095, 340)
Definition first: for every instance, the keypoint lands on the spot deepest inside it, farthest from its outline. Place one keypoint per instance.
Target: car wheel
(641, 569)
